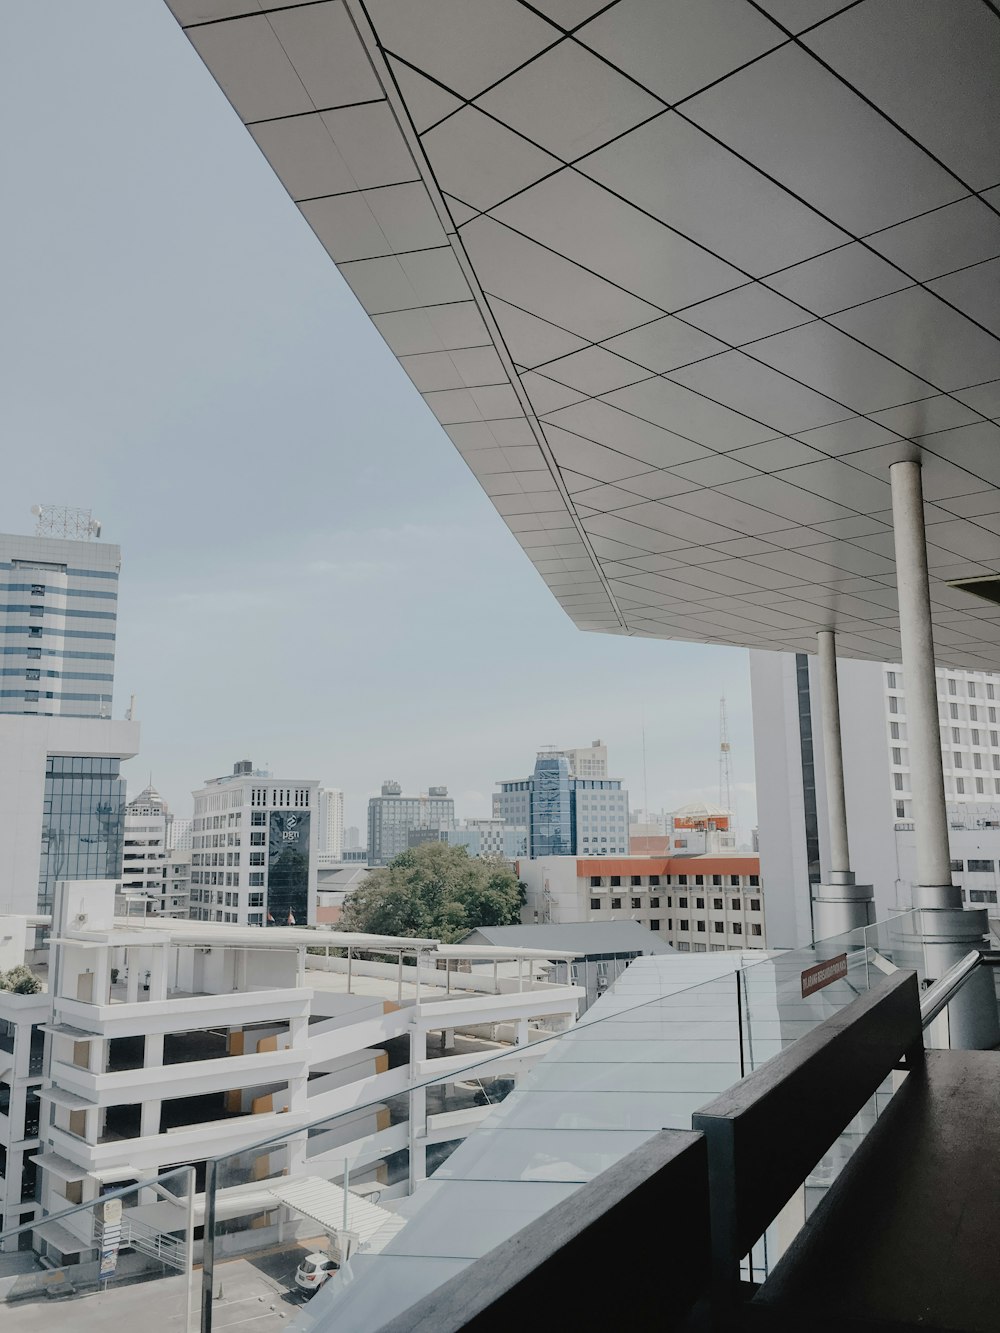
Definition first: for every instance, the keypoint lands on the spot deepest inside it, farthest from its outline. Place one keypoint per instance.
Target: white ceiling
(680, 279)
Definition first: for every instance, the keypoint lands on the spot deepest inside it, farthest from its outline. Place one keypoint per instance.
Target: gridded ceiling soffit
(679, 278)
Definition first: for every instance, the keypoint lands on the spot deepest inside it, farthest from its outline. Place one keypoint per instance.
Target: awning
(59, 1166)
(67, 1030)
(323, 1202)
(63, 1097)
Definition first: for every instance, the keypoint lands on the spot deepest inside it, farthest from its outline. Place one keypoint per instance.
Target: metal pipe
(833, 755)
(934, 886)
(944, 990)
(208, 1247)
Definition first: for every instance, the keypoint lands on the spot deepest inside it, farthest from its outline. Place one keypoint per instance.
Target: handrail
(938, 996)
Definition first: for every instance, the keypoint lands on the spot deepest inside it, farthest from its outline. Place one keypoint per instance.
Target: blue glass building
(566, 815)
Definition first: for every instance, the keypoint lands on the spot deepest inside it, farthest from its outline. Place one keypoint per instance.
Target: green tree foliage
(437, 892)
(21, 980)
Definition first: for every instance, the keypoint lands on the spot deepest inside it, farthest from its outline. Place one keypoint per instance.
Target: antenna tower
(66, 521)
(725, 763)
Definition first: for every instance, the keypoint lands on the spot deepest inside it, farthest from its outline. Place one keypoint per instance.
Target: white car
(313, 1271)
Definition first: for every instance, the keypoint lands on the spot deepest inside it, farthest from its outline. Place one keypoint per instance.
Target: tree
(437, 892)
(21, 980)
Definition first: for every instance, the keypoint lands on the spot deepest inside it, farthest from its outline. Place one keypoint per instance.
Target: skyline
(311, 577)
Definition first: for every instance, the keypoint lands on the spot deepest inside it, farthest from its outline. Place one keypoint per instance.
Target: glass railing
(552, 1114)
(333, 1218)
(141, 1232)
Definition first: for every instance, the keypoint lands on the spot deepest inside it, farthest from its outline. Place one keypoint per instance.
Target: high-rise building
(391, 815)
(252, 858)
(590, 761)
(62, 804)
(57, 625)
(151, 866)
(180, 834)
(479, 837)
(791, 783)
(566, 815)
(331, 822)
(352, 838)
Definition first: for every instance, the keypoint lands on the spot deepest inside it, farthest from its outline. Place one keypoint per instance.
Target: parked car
(314, 1270)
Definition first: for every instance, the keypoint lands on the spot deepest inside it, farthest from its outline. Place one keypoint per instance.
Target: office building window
(595, 904)
(953, 712)
(684, 925)
(734, 904)
(682, 902)
(636, 879)
(980, 867)
(897, 781)
(700, 904)
(654, 881)
(616, 881)
(952, 687)
(595, 881)
(719, 927)
(654, 923)
(718, 904)
(900, 810)
(755, 929)
(734, 880)
(972, 689)
(654, 902)
(636, 902)
(960, 786)
(716, 881)
(701, 926)
(616, 903)
(737, 929)
(979, 786)
(893, 704)
(890, 679)
(957, 759)
(256, 880)
(982, 896)
(754, 904)
(894, 730)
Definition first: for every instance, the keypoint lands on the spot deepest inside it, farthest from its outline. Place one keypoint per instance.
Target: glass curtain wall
(83, 823)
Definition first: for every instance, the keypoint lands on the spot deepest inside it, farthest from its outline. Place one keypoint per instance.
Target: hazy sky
(311, 576)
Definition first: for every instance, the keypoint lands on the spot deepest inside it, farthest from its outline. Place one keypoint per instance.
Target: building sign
(111, 1237)
(288, 867)
(822, 974)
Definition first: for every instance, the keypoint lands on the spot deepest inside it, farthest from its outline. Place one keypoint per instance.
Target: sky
(311, 577)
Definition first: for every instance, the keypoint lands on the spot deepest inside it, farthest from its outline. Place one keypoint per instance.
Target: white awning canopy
(323, 1202)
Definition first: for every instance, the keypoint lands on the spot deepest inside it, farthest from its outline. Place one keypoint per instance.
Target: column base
(840, 908)
(946, 935)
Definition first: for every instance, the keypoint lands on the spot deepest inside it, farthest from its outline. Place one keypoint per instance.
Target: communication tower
(65, 521)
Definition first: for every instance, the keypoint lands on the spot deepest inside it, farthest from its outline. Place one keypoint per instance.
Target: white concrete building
(699, 904)
(172, 1041)
(181, 831)
(147, 857)
(253, 856)
(792, 789)
(588, 761)
(331, 822)
(58, 608)
(21, 1076)
(62, 804)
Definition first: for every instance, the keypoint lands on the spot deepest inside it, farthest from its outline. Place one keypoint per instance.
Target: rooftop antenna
(645, 783)
(727, 784)
(65, 521)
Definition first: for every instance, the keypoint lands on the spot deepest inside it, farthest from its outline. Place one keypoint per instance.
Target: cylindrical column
(923, 733)
(839, 905)
(833, 755)
(945, 930)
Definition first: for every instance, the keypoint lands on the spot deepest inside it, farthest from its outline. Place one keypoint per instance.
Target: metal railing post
(208, 1246)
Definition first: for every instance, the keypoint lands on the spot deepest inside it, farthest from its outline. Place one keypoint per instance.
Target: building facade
(791, 787)
(151, 866)
(170, 1041)
(331, 822)
(252, 857)
(480, 837)
(62, 804)
(699, 904)
(566, 815)
(391, 816)
(58, 609)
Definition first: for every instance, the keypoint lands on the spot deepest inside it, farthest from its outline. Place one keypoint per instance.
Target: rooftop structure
(57, 625)
(391, 816)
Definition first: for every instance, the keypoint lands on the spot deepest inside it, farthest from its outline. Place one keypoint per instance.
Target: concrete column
(946, 931)
(839, 905)
(418, 1108)
(149, 1115)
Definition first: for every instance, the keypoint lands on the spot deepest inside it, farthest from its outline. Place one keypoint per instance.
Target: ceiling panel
(682, 367)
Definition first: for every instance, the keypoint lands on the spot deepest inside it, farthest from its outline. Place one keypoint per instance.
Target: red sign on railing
(822, 974)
